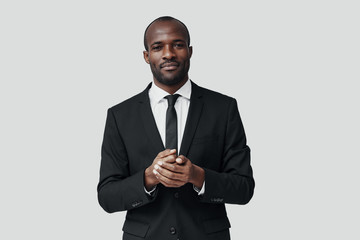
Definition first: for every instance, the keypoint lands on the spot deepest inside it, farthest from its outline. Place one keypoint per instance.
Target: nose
(168, 52)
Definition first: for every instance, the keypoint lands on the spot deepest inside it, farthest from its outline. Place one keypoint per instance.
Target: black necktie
(171, 123)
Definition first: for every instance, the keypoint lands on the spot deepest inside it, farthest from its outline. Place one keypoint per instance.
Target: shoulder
(127, 104)
(213, 97)
(131, 103)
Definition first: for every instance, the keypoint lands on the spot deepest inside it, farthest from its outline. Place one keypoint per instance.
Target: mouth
(169, 66)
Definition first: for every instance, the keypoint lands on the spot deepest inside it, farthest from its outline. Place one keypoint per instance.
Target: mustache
(168, 62)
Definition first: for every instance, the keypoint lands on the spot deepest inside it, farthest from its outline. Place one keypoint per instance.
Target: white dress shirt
(159, 106)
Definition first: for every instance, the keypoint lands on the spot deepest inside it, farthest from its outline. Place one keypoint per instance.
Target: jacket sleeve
(234, 182)
(118, 190)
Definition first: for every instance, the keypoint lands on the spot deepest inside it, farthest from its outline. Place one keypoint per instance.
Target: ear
(146, 56)
(190, 51)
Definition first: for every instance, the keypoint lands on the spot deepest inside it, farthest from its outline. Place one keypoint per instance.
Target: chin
(169, 80)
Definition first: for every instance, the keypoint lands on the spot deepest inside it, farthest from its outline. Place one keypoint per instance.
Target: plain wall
(293, 67)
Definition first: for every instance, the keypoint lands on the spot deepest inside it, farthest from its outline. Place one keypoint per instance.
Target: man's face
(168, 52)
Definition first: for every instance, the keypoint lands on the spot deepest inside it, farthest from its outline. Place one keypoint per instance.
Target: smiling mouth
(169, 66)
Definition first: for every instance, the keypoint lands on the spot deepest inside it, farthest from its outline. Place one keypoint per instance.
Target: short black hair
(164, 19)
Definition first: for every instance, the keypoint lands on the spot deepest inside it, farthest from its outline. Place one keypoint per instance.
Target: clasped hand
(172, 171)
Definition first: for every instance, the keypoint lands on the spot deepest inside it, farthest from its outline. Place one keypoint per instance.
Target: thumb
(181, 159)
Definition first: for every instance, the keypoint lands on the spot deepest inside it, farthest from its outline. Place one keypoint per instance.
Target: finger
(170, 166)
(167, 182)
(166, 152)
(169, 174)
(181, 160)
(169, 159)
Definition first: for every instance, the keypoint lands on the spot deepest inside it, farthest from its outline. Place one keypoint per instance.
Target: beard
(182, 72)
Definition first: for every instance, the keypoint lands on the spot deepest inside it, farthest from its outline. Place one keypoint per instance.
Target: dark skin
(167, 42)
(169, 58)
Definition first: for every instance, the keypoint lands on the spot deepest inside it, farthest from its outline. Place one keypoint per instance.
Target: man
(173, 155)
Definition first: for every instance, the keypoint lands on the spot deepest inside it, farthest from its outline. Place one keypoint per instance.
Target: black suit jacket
(213, 139)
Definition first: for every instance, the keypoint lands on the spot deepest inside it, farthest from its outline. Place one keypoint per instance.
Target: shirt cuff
(150, 193)
(200, 191)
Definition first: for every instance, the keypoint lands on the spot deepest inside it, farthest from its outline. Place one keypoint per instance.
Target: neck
(170, 89)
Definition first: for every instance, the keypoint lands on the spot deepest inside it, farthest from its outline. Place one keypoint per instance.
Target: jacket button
(172, 230)
(176, 195)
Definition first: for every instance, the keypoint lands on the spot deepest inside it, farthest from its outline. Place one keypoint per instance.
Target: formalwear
(214, 139)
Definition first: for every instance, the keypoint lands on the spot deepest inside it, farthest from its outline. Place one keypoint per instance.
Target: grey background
(293, 66)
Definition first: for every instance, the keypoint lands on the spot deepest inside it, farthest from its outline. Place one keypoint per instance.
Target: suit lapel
(147, 117)
(149, 122)
(196, 105)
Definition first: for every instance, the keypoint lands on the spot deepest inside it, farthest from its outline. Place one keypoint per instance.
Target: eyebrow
(179, 40)
(159, 42)
(156, 43)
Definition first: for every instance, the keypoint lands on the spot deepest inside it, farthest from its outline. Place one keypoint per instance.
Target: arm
(234, 182)
(118, 190)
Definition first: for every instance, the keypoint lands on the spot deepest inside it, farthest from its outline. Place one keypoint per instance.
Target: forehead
(165, 31)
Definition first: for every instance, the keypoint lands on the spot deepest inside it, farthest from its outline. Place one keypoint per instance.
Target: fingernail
(160, 163)
(178, 159)
(156, 166)
(173, 150)
(155, 172)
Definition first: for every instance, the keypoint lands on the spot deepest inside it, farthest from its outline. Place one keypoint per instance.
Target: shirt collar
(185, 90)
(156, 94)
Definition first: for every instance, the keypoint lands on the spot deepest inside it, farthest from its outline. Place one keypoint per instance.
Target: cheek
(153, 62)
(153, 65)
(154, 57)
(185, 58)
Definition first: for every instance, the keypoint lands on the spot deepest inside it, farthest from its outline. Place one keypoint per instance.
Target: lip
(169, 66)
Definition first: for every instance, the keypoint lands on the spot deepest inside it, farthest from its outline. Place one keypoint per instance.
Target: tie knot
(172, 99)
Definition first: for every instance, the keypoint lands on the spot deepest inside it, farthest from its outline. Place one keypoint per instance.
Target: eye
(156, 48)
(179, 45)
